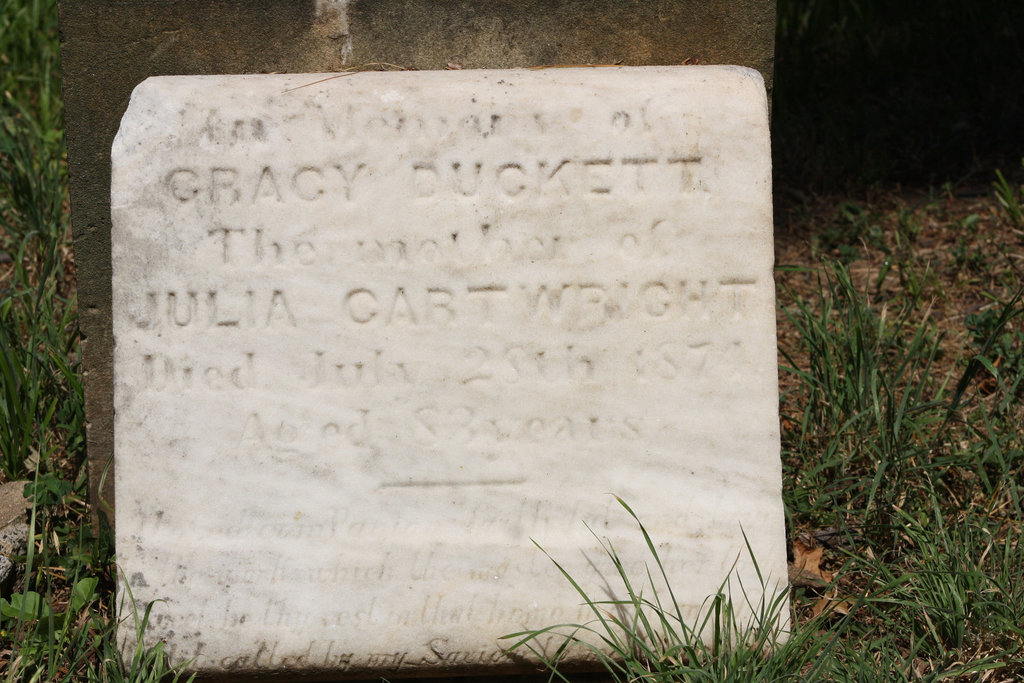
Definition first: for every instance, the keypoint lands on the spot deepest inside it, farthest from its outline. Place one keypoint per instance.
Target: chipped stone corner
(332, 17)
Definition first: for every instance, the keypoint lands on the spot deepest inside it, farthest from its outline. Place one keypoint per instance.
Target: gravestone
(378, 333)
(110, 46)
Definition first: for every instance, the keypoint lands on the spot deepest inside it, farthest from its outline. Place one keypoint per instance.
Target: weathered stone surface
(375, 333)
(13, 506)
(13, 532)
(109, 46)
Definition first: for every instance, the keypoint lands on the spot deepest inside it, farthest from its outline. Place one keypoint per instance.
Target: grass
(645, 636)
(901, 329)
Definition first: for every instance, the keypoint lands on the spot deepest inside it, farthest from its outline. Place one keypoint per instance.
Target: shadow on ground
(915, 93)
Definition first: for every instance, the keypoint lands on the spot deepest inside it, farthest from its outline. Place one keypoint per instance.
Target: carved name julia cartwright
(579, 305)
(376, 335)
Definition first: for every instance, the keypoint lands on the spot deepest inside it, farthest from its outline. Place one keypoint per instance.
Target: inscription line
(429, 484)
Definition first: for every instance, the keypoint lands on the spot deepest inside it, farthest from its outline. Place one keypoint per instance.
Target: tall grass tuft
(646, 635)
(30, 63)
(1010, 197)
(40, 388)
(871, 403)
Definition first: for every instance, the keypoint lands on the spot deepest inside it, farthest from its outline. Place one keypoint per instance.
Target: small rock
(13, 533)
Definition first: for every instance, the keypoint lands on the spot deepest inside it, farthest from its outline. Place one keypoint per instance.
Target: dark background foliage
(913, 92)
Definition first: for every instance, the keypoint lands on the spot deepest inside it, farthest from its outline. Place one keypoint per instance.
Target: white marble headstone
(376, 333)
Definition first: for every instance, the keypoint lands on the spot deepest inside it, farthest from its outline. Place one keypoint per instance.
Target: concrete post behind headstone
(376, 334)
(109, 46)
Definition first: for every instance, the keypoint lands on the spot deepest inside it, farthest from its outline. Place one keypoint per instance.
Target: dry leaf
(832, 605)
(805, 569)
